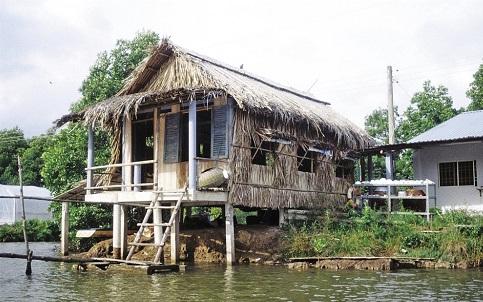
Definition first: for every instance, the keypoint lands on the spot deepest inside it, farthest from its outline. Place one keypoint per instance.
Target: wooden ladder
(174, 211)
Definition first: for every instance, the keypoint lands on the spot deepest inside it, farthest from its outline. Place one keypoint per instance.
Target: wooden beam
(64, 230)
(126, 164)
(230, 234)
(174, 238)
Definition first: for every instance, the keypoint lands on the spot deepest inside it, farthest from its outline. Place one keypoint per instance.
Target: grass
(453, 237)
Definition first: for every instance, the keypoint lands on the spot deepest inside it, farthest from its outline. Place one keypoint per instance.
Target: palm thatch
(173, 74)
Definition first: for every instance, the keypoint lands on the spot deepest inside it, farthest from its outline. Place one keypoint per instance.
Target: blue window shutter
(219, 131)
(172, 138)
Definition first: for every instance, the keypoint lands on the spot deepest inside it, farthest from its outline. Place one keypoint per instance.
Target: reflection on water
(60, 282)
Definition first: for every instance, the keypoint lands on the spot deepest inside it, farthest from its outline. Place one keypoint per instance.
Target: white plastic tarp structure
(11, 207)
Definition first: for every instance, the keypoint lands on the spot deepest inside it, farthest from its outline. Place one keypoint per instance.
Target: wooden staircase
(166, 225)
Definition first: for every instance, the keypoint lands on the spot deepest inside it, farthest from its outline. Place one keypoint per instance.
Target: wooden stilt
(282, 216)
(157, 220)
(64, 230)
(174, 238)
(123, 225)
(230, 234)
(116, 231)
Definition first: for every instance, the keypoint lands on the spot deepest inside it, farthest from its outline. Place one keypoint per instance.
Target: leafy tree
(376, 124)
(475, 92)
(32, 161)
(12, 143)
(108, 73)
(428, 108)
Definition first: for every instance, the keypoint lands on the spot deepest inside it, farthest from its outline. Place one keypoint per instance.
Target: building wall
(426, 163)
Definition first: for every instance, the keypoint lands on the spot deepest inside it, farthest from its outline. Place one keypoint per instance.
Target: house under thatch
(232, 138)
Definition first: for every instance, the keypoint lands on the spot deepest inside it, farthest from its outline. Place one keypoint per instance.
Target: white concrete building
(451, 155)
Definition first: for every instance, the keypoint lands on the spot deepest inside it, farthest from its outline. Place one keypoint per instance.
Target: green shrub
(37, 230)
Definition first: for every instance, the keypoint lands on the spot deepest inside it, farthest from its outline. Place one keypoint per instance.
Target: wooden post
(116, 231)
(90, 157)
(155, 147)
(174, 238)
(370, 167)
(230, 234)
(363, 169)
(64, 231)
(127, 152)
(123, 225)
(389, 165)
(157, 220)
(282, 216)
(119, 212)
(192, 146)
(137, 177)
(28, 270)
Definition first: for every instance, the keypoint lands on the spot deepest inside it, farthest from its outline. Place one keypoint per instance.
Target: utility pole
(390, 106)
(391, 125)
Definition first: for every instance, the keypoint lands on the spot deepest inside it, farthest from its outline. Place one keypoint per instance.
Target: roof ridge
(257, 78)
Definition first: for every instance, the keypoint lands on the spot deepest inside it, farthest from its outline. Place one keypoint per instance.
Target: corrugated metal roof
(464, 125)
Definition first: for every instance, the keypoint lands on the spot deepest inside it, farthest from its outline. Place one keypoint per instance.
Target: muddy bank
(262, 244)
(254, 244)
(379, 264)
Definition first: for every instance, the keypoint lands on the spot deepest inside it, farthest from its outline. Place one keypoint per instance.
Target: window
(306, 160)
(203, 134)
(212, 134)
(264, 154)
(344, 169)
(462, 173)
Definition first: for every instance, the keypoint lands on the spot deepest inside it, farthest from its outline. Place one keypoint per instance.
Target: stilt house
(183, 120)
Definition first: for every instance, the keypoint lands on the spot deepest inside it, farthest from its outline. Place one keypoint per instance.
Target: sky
(337, 50)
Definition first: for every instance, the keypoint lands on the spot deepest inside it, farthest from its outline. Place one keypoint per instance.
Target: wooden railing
(126, 184)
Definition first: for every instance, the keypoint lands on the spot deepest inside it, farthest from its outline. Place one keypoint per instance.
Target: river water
(60, 282)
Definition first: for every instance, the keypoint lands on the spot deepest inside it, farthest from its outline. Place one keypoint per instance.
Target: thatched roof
(172, 74)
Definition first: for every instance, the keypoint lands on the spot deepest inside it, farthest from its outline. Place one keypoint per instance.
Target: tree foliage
(376, 124)
(107, 75)
(32, 162)
(12, 143)
(428, 108)
(475, 92)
